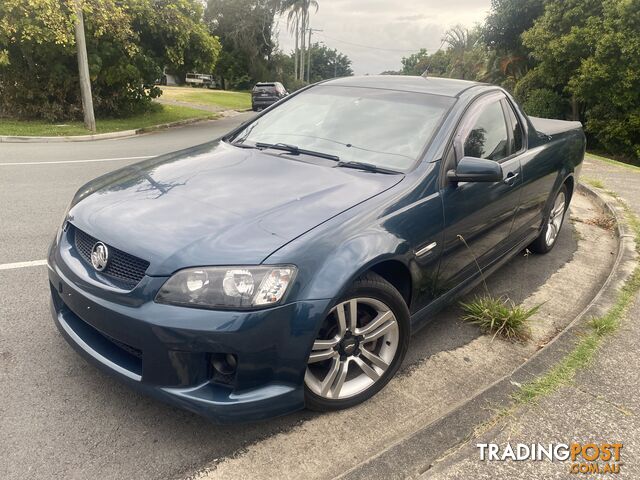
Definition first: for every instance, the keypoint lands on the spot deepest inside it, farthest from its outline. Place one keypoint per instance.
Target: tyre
(359, 347)
(553, 223)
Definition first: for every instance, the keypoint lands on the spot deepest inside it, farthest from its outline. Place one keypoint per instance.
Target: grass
(614, 162)
(598, 328)
(200, 96)
(499, 316)
(160, 114)
(582, 355)
(593, 182)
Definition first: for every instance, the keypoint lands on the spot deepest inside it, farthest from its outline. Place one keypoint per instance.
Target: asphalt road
(62, 418)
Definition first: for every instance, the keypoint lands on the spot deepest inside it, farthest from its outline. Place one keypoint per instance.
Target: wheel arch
(398, 275)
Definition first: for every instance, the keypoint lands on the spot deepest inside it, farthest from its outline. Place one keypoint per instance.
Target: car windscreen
(387, 128)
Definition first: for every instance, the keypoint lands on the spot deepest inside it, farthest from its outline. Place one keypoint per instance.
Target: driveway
(62, 418)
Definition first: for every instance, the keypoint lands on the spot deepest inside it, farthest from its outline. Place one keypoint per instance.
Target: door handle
(511, 177)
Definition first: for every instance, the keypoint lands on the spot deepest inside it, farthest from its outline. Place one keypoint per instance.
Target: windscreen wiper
(369, 167)
(243, 145)
(295, 150)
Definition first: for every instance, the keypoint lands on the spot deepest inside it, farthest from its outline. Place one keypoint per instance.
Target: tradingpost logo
(583, 458)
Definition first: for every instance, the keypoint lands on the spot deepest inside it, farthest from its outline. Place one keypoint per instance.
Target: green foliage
(566, 59)
(503, 27)
(544, 102)
(416, 63)
(245, 28)
(607, 82)
(128, 44)
(465, 57)
(499, 316)
(328, 63)
(589, 52)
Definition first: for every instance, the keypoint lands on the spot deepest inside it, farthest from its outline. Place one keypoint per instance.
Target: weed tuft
(593, 182)
(499, 316)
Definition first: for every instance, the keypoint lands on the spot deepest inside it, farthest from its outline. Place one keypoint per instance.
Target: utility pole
(311, 30)
(83, 70)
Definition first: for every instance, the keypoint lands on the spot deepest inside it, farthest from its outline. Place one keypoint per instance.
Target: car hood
(216, 204)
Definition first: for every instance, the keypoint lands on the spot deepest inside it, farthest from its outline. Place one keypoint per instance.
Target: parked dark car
(288, 263)
(266, 94)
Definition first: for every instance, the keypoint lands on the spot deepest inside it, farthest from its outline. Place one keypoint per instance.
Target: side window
(488, 136)
(516, 138)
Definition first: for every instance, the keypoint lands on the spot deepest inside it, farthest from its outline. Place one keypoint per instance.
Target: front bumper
(167, 351)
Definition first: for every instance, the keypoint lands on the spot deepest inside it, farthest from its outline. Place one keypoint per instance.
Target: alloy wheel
(355, 347)
(555, 219)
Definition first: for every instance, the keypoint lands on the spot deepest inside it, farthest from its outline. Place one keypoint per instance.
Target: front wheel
(549, 234)
(359, 347)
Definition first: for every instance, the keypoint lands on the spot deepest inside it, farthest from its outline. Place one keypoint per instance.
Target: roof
(435, 85)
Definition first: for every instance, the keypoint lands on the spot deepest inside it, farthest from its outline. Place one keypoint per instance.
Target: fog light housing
(224, 366)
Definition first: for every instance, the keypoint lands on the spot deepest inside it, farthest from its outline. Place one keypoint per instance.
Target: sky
(376, 34)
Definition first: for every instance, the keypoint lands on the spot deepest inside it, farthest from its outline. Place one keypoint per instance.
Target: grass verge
(614, 162)
(217, 98)
(598, 329)
(158, 115)
(583, 353)
(593, 182)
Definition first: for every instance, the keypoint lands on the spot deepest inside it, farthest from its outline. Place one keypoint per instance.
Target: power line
(369, 46)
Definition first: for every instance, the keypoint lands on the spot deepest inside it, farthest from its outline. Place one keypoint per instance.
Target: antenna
(426, 71)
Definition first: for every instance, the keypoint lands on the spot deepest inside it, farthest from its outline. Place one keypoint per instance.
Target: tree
(299, 11)
(416, 63)
(607, 82)
(328, 63)
(559, 42)
(507, 21)
(245, 28)
(508, 59)
(129, 44)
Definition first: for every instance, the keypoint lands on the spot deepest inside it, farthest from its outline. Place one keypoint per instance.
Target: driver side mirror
(471, 169)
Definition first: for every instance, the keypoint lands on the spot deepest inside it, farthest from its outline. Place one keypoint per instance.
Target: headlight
(227, 287)
(62, 224)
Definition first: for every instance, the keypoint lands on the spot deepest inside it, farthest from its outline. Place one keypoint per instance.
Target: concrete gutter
(415, 453)
(111, 135)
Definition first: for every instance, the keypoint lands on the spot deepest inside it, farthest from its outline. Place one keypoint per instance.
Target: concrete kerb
(112, 135)
(414, 454)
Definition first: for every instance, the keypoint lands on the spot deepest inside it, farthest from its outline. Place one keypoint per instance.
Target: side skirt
(423, 316)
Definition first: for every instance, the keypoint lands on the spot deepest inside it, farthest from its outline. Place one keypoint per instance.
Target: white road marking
(11, 266)
(76, 161)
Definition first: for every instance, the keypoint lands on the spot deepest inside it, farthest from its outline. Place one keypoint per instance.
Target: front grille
(127, 348)
(122, 266)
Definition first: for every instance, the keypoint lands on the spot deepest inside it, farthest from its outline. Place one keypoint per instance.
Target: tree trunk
(309, 59)
(297, 50)
(303, 25)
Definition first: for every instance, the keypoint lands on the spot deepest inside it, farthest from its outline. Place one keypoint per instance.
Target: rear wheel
(360, 346)
(549, 234)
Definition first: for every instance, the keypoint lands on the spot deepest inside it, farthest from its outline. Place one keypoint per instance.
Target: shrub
(128, 44)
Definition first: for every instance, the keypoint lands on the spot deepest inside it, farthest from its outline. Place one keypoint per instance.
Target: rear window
(265, 87)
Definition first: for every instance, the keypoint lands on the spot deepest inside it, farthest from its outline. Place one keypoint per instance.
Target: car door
(478, 216)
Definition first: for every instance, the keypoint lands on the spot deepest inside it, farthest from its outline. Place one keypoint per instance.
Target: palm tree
(298, 20)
